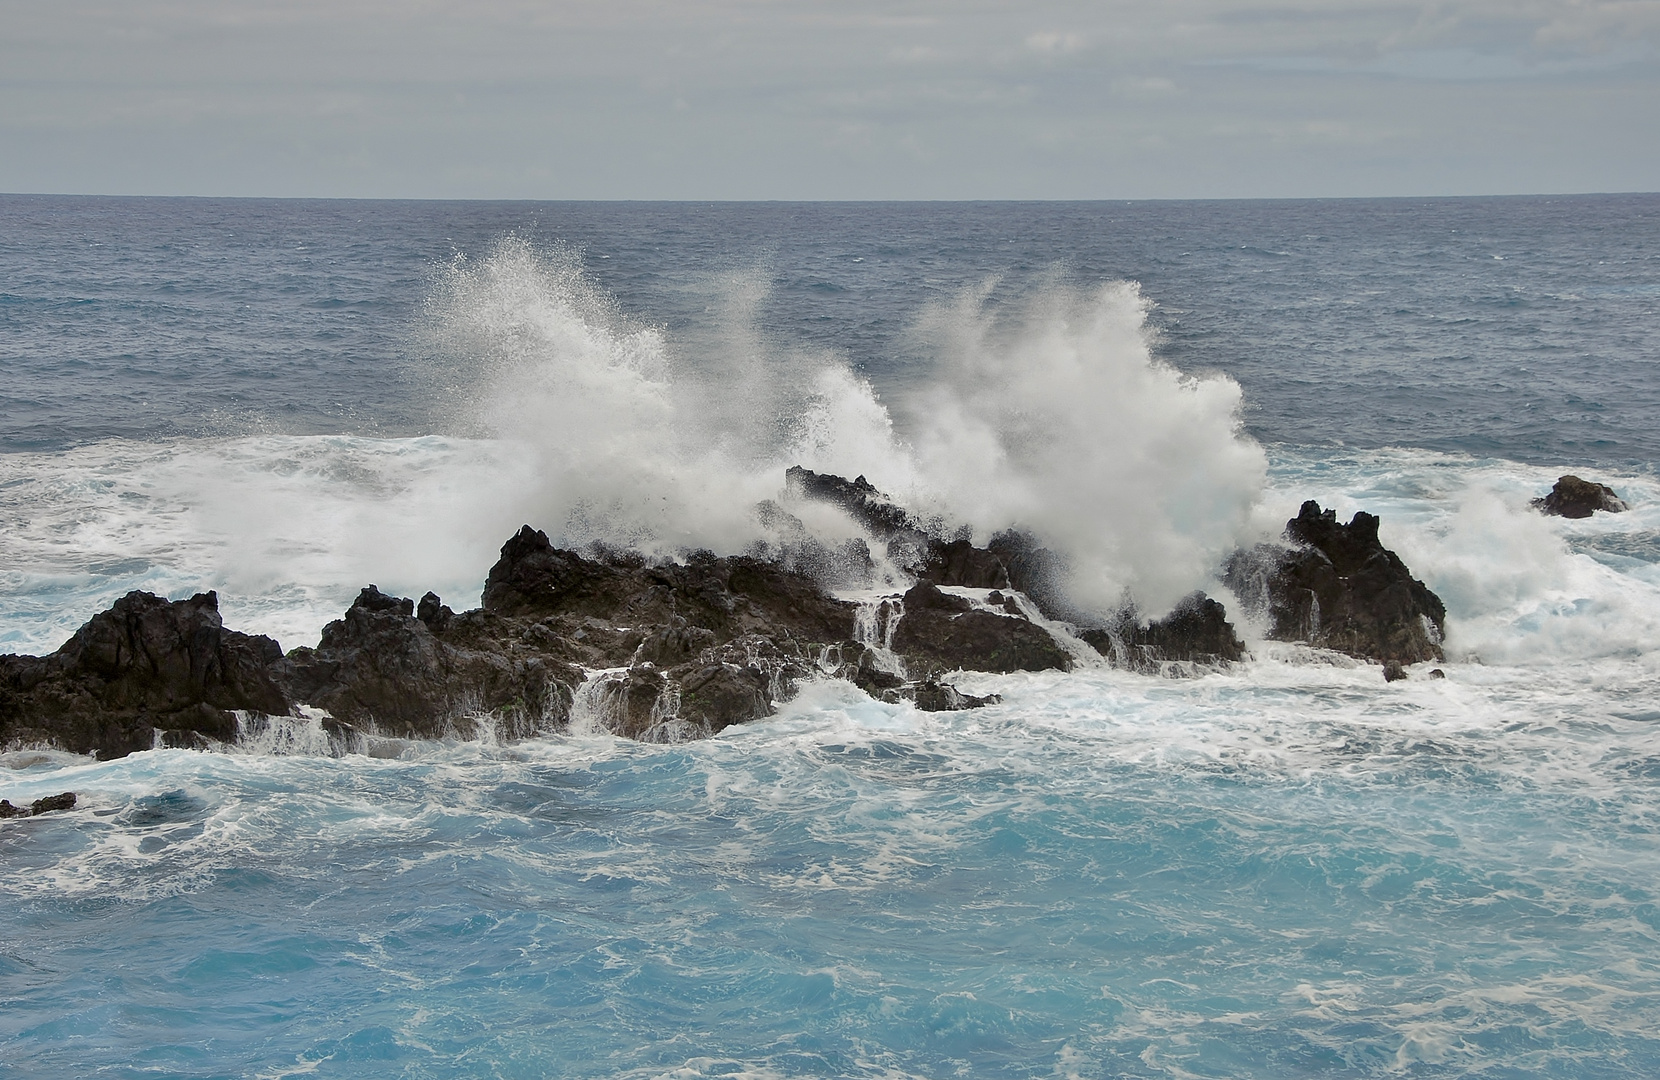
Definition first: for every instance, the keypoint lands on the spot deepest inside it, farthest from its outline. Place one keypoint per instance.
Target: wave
(1053, 414)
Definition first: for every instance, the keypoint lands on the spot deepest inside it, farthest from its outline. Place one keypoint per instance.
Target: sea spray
(1058, 419)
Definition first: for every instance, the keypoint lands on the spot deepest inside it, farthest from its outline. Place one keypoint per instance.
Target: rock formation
(1196, 634)
(1339, 588)
(49, 804)
(674, 649)
(944, 632)
(146, 672)
(1576, 498)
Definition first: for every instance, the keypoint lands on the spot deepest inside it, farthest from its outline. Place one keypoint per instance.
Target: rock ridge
(667, 649)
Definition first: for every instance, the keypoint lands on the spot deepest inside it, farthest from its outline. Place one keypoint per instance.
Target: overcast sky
(829, 99)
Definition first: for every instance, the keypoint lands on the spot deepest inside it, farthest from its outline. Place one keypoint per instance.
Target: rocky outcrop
(859, 497)
(959, 562)
(944, 632)
(728, 596)
(1038, 572)
(1196, 634)
(672, 649)
(1339, 588)
(686, 648)
(147, 672)
(1572, 497)
(383, 667)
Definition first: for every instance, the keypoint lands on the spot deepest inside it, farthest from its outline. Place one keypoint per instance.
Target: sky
(829, 99)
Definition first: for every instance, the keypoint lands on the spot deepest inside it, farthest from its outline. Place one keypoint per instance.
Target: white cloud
(1055, 43)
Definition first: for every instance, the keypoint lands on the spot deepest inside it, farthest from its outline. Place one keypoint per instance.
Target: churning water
(1289, 869)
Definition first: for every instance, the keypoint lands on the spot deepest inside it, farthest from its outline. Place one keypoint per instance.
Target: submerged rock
(1576, 498)
(1339, 588)
(49, 804)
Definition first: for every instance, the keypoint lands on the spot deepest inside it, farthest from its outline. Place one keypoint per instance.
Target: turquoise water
(1286, 873)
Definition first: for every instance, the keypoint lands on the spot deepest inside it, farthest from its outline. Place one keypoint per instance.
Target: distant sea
(1286, 869)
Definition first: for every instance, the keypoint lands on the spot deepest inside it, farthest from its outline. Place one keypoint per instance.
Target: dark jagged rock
(435, 613)
(1341, 589)
(1037, 571)
(1393, 671)
(959, 562)
(50, 804)
(942, 632)
(869, 507)
(380, 666)
(144, 666)
(728, 596)
(1196, 632)
(932, 695)
(1576, 498)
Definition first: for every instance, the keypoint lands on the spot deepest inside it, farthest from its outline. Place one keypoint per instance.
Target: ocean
(1288, 868)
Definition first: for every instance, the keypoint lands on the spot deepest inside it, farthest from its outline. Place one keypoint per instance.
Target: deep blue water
(1519, 327)
(1289, 869)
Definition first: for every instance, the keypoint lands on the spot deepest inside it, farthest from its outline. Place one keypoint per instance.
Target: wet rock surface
(50, 804)
(944, 632)
(673, 649)
(1195, 634)
(146, 671)
(1572, 497)
(1339, 588)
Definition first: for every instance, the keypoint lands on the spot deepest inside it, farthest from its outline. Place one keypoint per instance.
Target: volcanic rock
(1196, 633)
(49, 804)
(932, 695)
(859, 497)
(145, 666)
(1037, 571)
(943, 632)
(959, 562)
(382, 667)
(728, 596)
(1339, 588)
(1576, 498)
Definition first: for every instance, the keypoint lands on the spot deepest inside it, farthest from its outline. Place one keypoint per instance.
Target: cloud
(1040, 98)
(1055, 43)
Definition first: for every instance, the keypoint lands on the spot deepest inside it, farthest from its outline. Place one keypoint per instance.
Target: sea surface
(1286, 869)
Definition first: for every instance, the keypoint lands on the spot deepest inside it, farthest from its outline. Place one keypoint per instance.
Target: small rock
(1393, 671)
(1437, 673)
(48, 805)
(935, 696)
(1576, 498)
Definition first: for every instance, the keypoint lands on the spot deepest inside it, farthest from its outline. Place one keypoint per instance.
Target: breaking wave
(1056, 418)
